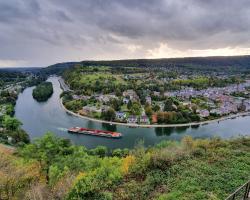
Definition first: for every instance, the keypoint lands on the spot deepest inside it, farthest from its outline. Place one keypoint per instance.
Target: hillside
(218, 63)
(52, 168)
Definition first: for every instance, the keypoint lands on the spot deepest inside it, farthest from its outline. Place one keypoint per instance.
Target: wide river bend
(39, 118)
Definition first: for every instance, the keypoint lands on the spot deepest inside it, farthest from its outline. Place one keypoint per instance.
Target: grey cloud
(81, 29)
(13, 10)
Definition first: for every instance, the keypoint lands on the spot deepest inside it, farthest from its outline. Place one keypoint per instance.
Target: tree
(129, 106)
(135, 109)
(156, 108)
(148, 110)
(75, 105)
(118, 92)
(168, 105)
(120, 152)
(99, 151)
(108, 115)
(115, 103)
(160, 117)
(11, 123)
(20, 137)
(46, 151)
(194, 108)
(10, 109)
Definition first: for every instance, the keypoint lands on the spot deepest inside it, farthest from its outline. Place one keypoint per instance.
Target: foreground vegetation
(52, 168)
(43, 91)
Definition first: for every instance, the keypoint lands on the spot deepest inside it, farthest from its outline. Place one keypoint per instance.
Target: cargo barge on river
(101, 133)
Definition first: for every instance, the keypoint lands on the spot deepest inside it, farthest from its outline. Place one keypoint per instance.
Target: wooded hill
(217, 63)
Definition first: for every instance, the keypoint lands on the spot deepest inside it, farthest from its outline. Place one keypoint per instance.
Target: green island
(43, 91)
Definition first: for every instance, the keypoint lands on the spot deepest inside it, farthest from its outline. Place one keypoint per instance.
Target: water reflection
(161, 131)
(109, 127)
(195, 126)
(182, 129)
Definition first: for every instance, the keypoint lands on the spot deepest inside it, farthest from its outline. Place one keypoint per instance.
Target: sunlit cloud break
(166, 52)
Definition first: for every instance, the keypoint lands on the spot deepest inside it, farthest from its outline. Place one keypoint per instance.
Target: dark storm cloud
(12, 10)
(48, 31)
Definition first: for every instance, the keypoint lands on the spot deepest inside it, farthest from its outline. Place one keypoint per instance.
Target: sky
(38, 33)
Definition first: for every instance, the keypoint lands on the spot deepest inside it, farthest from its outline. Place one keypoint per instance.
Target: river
(39, 118)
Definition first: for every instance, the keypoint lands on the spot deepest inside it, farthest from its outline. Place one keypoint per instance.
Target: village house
(125, 100)
(144, 119)
(215, 111)
(80, 97)
(228, 107)
(211, 105)
(154, 119)
(148, 100)
(156, 93)
(131, 94)
(76, 97)
(238, 101)
(161, 105)
(247, 105)
(120, 115)
(167, 94)
(187, 103)
(104, 108)
(90, 109)
(204, 113)
(106, 98)
(132, 119)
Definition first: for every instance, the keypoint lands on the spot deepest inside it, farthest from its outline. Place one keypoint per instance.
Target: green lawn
(102, 77)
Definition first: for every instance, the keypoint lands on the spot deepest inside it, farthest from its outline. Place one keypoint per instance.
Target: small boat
(101, 133)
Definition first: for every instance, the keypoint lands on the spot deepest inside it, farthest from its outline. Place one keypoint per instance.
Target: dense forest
(208, 64)
(10, 127)
(43, 91)
(53, 168)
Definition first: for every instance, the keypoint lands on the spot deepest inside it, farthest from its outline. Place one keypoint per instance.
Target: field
(101, 78)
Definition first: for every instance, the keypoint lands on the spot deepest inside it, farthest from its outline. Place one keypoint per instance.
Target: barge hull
(98, 133)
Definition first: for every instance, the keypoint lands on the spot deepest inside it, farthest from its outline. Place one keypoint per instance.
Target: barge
(101, 133)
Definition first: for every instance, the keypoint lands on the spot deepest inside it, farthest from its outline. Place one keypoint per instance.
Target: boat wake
(62, 129)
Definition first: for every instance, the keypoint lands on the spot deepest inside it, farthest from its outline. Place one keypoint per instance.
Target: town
(153, 96)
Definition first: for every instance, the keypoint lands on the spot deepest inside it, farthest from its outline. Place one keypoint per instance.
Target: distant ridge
(21, 69)
(209, 62)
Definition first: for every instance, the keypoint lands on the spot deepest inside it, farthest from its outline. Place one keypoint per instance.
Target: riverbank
(156, 125)
(63, 85)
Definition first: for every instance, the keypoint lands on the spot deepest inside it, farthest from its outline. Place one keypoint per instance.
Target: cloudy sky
(44, 32)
